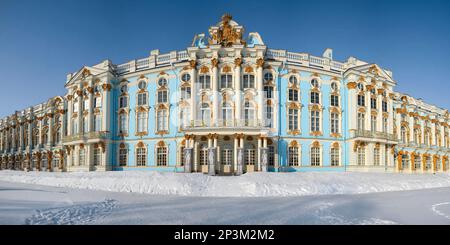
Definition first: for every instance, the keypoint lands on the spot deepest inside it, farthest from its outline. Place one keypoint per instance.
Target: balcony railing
(372, 134)
(86, 136)
(227, 124)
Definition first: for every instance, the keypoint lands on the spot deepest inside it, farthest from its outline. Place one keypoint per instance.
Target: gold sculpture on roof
(226, 35)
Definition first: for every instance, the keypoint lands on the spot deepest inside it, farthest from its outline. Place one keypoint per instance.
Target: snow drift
(249, 185)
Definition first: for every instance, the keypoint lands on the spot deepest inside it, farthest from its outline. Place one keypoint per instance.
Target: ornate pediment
(226, 33)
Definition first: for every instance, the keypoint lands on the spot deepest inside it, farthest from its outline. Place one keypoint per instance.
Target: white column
(196, 167)
(50, 130)
(215, 91)
(21, 146)
(194, 93)
(260, 88)
(106, 104)
(235, 149)
(238, 93)
(258, 160)
(30, 134)
(380, 112)
(90, 109)
(40, 132)
(80, 111)
(368, 118)
(69, 117)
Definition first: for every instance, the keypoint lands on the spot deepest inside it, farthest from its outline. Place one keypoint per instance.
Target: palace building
(228, 104)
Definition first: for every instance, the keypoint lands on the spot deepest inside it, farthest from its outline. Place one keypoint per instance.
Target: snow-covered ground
(37, 204)
(247, 185)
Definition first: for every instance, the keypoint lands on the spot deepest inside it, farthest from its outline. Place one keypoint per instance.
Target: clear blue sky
(42, 41)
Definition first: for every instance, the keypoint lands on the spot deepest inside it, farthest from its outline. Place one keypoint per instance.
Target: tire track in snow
(73, 215)
(435, 209)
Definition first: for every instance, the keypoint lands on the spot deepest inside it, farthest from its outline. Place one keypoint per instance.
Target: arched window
(142, 85)
(361, 121)
(141, 155)
(249, 81)
(361, 155)
(373, 103)
(162, 120)
(315, 121)
(142, 99)
(315, 156)
(268, 76)
(376, 156)
(361, 100)
(373, 123)
(249, 114)
(293, 80)
(97, 156)
(417, 136)
(123, 155)
(123, 123)
(142, 121)
(334, 100)
(334, 156)
(314, 83)
(334, 122)
(97, 123)
(227, 114)
(162, 82)
(186, 77)
(123, 101)
(161, 155)
(293, 119)
(293, 156)
(205, 114)
(403, 135)
(205, 81)
(226, 81)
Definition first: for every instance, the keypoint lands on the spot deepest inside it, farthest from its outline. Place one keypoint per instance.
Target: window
(361, 100)
(186, 77)
(249, 81)
(82, 157)
(293, 80)
(426, 138)
(97, 156)
(226, 81)
(293, 95)
(315, 121)
(360, 87)
(203, 155)
(417, 161)
(75, 106)
(268, 77)
(315, 98)
(314, 83)
(227, 114)
(417, 136)
(98, 102)
(142, 122)
(334, 118)
(97, 123)
(162, 96)
(315, 156)
(123, 128)
(334, 156)
(269, 116)
(123, 157)
(250, 156)
(74, 127)
(162, 82)
(123, 89)
(361, 121)
(161, 156)
(205, 114)
(162, 119)
(384, 105)
(227, 156)
(373, 103)
(334, 100)
(142, 99)
(376, 156)
(142, 85)
(85, 104)
(85, 125)
(293, 119)
(405, 161)
(361, 156)
(185, 117)
(268, 91)
(385, 125)
(141, 156)
(123, 101)
(293, 159)
(185, 93)
(249, 114)
(403, 135)
(334, 87)
(373, 123)
(205, 81)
